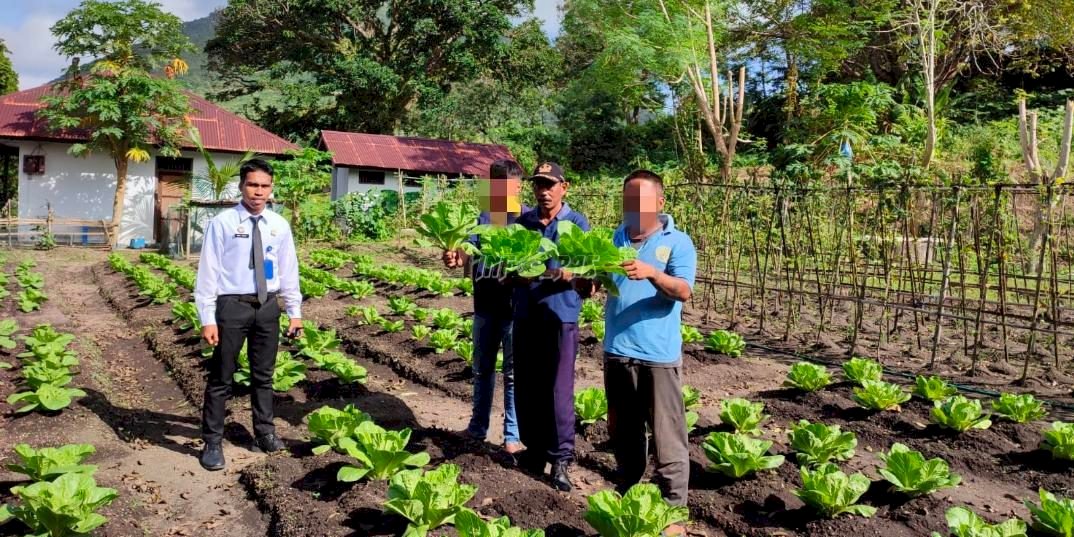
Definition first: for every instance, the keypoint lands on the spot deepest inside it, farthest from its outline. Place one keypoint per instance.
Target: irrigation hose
(968, 388)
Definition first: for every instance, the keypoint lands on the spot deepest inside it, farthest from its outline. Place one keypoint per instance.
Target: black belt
(249, 299)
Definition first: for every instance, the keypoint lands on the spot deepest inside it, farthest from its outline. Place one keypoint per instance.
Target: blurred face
(549, 193)
(499, 197)
(256, 190)
(643, 202)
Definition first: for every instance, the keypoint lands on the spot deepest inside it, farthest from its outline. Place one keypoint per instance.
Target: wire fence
(981, 271)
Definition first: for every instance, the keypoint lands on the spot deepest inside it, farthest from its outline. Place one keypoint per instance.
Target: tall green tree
(306, 172)
(353, 65)
(123, 108)
(9, 79)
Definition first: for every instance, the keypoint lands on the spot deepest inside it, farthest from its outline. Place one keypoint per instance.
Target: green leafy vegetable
(447, 319)
(592, 255)
(817, 443)
(641, 512)
(420, 332)
(330, 425)
(832, 493)
(690, 334)
(960, 414)
(48, 396)
(725, 342)
(592, 311)
(379, 452)
(745, 416)
(591, 405)
(443, 340)
(8, 327)
(880, 395)
(515, 249)
(965, 523)
(736, 455)
(66, 506)
(1059, 440)
(909, 472)
(465, 349)
(1054, 515)
(598, 330)
(448, 226)
(428, 499)
(808, 377)
(392, 327)
(862, 369)
(401, 305)
(470, 524)
(933, 388)
(45, 464)
(1019, 408)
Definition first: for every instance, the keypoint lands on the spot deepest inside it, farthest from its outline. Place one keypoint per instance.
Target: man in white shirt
(248, 258)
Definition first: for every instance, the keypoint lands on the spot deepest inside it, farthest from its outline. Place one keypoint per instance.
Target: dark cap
(548, 170)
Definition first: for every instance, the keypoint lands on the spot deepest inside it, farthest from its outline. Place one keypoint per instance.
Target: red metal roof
(420, 155)
(220, 130)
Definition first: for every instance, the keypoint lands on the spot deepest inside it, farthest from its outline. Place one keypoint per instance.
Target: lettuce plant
(691, 398)
(1019, 408)
(933, 388)
(591, 405)
(832, 493)
(465, 349)
(598, 330)
(421, 314)
(186, 316)
(817, 443)
(725, 342)
(345, 369)
(960, 414)
(808, 377)
(392, 327)
(592, 311)
(690, 334)
(330, 425)
(1059, 440)
(736, 455)
(448, 226)
(965, 523)
(641, 512)
(359, 290)
(379, 452)
(419, 332)
(8, 327)
(447, 319)
(910, 473)
(48, 397)
(1054, 516)
(858, 370)
(45, 464)
(428, 499)
(66, 506)
(316, 341)
(443, 340)
(515, 249)
(592, 255)
(401, 305)
(745, 416)
(470, 524)
(287, 373)
(880, 395)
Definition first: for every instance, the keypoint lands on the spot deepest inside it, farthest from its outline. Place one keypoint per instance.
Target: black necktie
(257, 262)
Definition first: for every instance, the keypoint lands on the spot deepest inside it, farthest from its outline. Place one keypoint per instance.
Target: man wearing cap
(643, 342)
(546, 339)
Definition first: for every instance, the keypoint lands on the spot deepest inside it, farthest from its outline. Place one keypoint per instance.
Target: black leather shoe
(560, 478)
(212, 456)
(270, 443)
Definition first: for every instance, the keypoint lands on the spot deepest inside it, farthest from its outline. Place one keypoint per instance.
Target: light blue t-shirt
(642, 323)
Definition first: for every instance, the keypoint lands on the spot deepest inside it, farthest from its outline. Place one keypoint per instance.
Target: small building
(39, 174)
(363, 162)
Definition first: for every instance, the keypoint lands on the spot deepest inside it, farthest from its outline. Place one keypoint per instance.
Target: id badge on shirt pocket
(269, 269)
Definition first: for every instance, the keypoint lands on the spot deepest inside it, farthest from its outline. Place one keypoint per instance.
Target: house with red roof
(363, 162)
(39, 175)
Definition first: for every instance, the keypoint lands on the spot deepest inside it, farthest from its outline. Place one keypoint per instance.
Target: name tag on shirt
(242, 235)
(269, 269)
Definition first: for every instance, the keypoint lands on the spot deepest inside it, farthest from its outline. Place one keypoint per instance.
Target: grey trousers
(647, 398)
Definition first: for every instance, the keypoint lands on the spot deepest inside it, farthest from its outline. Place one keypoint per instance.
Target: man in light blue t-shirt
(643, 341)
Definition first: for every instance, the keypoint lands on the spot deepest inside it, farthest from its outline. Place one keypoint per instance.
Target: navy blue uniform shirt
(542, 298)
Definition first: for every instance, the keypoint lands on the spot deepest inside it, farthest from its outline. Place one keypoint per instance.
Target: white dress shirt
(224, 268)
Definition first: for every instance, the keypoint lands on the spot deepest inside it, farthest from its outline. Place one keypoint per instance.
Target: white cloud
(31, 49)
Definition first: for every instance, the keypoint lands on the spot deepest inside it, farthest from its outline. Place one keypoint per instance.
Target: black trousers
(259, 327)
(544, 351)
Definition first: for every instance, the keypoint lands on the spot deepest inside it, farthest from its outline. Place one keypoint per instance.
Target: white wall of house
(347, 180)
(84, 187)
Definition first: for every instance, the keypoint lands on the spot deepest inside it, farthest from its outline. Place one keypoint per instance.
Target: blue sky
(24, 26)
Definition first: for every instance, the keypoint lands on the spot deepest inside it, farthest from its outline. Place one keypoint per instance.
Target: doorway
(9, 179)
(173, 187)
